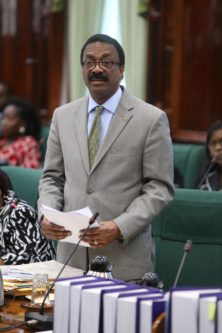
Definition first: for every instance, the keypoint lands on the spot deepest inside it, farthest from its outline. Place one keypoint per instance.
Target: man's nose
(97, 68)
(218, 145)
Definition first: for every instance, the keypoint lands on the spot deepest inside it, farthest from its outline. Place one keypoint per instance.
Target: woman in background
(20, 128)
(210, 175)
(21, 240)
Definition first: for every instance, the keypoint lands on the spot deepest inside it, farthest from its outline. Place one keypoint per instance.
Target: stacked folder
(194, 310)
(92, 304)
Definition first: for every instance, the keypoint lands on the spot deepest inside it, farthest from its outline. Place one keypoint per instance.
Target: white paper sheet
(73, 221)
(27, 271)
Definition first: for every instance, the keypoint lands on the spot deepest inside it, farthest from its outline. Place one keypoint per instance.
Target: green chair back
(188, 158)
(25, 182)
(194, 215)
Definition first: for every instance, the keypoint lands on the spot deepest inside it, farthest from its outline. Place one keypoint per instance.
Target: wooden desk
(13, 314)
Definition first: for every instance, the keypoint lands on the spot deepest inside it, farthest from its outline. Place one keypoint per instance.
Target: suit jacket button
(90, 191)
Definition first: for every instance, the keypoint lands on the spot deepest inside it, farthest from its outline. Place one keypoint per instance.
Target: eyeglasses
(213, 144)
(89, 64)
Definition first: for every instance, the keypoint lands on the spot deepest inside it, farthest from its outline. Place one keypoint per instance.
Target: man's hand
(54, 231)
(1, 261)
(106, 234)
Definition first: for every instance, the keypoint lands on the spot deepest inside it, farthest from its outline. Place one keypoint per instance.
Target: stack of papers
(73, 221)
(18, 278)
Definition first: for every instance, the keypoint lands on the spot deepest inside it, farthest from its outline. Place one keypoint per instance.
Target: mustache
(97, 76)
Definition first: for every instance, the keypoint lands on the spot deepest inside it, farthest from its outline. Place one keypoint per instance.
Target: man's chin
(97, 87)
(98, 93)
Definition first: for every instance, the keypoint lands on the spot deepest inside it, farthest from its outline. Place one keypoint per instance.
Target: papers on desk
(73, 221)
(19, 277)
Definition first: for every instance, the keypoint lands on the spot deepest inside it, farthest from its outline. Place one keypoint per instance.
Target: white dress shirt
(106, 116)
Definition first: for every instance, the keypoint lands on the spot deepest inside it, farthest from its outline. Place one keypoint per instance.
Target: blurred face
(102, 82)
(215, 146)
(3, 94)
(11, 122)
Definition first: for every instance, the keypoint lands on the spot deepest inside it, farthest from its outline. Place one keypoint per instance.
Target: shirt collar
(111, 104)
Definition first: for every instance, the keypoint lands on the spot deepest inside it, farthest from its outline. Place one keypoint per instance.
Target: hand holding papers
(73, 221)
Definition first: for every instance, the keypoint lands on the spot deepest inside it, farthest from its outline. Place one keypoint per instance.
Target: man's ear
(121, 71)
(122, 68)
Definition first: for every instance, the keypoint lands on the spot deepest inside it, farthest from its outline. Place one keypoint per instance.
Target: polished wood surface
(13, 313)
(159, 324)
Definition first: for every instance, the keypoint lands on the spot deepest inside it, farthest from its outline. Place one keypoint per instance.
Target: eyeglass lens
(213, 144)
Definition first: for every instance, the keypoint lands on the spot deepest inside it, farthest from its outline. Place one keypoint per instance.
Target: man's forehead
(101, 48)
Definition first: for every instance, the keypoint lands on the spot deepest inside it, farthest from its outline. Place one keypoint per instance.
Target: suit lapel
(80, 125)
(120, 120)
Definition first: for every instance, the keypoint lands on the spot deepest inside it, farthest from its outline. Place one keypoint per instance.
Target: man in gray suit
(131, 178)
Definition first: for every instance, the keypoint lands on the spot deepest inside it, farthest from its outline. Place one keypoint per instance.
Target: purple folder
(115, 282)
(169, 303)
(219, 293)
(91, 284)
(219, 298)
(158, 308)
(127, 287)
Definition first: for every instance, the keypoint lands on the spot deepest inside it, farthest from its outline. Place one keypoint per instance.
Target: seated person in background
(5, 93)
(20, 130)
(21, 240)
(210, 175)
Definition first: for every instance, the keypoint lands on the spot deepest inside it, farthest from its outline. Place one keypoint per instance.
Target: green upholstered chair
(25, 182)
(188, 158)
(194, 215)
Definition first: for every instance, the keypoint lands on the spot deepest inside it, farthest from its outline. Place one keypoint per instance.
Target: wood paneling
(185, 68)
(31, 57)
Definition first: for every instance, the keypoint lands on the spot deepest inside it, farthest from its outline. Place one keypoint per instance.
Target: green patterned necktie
(94, 136)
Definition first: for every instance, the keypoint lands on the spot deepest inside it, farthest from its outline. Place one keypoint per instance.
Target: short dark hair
(214, 127)
(105, 39)
(27, 113)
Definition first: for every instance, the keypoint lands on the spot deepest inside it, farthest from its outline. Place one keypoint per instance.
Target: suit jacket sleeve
(157, 189)
(51, 186)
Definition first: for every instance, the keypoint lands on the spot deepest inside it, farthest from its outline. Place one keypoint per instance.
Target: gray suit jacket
(130, 182)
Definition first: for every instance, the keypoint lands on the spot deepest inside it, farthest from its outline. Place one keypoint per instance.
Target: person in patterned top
(21, 240)
(20, 131)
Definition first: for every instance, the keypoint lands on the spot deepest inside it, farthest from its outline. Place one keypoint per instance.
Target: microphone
(101, 266)
(187, 248)
(212, 162)
(45, 322)
(151, 279)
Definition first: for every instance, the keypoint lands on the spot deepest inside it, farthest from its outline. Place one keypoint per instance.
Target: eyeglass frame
(213, 144)
(99, 63)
